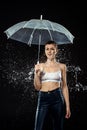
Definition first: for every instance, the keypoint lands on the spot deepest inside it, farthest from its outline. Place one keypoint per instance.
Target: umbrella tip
(40, 17)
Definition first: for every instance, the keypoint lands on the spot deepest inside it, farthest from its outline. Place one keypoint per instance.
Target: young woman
(51, 83)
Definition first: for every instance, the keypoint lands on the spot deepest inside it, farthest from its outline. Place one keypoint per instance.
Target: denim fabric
(52, 101)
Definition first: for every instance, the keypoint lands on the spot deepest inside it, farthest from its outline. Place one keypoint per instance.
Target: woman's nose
(49, 50)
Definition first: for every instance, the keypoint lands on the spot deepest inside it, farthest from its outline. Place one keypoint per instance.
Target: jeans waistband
(51, 91)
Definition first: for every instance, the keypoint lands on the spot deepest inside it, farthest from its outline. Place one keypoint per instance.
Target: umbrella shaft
(39, 47)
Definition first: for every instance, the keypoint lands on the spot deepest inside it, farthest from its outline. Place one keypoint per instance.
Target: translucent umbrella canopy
(39, 31)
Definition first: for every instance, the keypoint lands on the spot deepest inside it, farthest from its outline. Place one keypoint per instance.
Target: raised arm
(37, 76)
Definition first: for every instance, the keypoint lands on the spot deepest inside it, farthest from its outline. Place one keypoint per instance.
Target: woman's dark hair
(51, 42)
(43, 57)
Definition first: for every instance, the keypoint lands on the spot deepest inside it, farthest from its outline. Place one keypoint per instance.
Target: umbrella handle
(37, 62)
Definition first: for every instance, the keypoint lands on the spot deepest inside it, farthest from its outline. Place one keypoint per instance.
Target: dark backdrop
(18, 97)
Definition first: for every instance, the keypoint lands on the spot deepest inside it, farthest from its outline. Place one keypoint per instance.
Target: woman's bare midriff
(49, 86)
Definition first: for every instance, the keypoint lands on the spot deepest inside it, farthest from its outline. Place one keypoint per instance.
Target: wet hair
(52, 42)
(43, 57)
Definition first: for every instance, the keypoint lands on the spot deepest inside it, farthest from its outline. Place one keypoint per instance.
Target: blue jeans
(52, 102)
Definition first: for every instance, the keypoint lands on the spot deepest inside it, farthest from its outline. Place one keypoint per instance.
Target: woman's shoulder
(41, 64)
(62, 65)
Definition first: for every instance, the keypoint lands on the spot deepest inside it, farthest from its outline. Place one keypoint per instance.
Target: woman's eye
(49, 49)
(52, 48)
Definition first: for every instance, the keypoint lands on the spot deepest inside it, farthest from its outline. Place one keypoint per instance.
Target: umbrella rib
(50, 24)
(30, 41)
(31, 37)
(49, 30)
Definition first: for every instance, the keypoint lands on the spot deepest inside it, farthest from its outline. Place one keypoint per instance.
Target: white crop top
(51, 76)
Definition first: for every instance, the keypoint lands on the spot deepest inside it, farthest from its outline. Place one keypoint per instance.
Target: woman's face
(50, 51)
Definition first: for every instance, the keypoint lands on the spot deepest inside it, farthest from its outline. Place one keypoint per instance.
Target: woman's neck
(51, 61)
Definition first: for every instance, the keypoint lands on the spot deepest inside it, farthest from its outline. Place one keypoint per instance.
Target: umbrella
(39, 31)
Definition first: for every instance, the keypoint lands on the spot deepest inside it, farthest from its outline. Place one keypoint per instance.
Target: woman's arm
(65, 92)
(37, 76)
(37, 82)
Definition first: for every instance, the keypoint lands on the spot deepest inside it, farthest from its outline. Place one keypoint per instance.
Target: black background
(18, 97)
